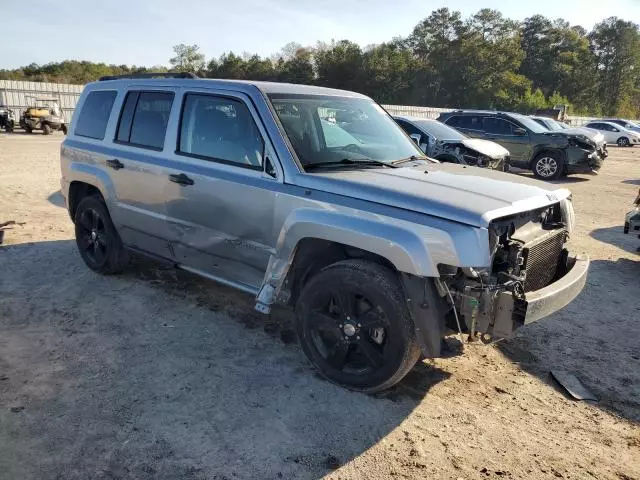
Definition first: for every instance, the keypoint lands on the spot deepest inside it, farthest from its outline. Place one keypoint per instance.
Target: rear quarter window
(95, 113)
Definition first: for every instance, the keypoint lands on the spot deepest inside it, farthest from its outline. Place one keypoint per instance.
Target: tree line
(482, 61)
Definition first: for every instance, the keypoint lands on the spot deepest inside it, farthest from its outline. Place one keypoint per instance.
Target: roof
(265, 87)
(413, 118)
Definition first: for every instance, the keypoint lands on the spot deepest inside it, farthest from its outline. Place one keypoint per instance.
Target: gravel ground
(156, 374)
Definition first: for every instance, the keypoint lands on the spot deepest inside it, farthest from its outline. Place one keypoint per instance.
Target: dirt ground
(156, 374)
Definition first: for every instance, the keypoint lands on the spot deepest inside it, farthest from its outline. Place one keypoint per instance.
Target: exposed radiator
(541, 260)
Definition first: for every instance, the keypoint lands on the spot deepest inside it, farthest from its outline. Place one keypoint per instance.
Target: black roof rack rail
(150, 75)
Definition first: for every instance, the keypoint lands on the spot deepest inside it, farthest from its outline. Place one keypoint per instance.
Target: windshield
(439, 130)
(552, 124)
(324, 129)
(530, 123)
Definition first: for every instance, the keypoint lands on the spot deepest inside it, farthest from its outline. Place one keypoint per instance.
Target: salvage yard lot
(156, 374)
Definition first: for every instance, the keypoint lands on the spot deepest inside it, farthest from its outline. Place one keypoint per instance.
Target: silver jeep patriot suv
(315, 198)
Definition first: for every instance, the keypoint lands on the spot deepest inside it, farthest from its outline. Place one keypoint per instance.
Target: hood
(486, 147)
(590, 133)
(568, 135)
(469, 195)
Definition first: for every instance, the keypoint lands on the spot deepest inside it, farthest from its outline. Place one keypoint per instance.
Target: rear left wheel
(46, 129)
(97, 239)
(354, 326)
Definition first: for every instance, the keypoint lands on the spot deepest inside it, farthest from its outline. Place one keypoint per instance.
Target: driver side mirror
(520, 132)
(416, 137)
(615, 130)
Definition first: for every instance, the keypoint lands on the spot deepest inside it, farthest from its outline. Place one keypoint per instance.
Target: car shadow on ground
(172, 375)
(595, 337)
(632, 182)
(616, 236)
(56, 199)
(569, 180)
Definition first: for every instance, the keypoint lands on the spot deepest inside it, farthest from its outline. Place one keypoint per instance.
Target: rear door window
(498, 126)
(95, 113)
(469, 122)
(144, 118)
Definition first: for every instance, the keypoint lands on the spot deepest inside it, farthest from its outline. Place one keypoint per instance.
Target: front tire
(46, 129)
(623, 142)
(97, 238)
(548, 166)
(354, 326)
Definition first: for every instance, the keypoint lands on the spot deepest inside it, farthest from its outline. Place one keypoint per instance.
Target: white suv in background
(616, 133)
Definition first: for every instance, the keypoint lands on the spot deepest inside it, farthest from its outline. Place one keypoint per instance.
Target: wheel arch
(311, 238)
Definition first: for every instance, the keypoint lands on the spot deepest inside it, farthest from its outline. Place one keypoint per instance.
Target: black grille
(541, 261)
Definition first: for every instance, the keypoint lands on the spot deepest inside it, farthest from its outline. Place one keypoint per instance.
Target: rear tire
(28, 129)
(354, 326)
(46, 129)
(548, 166)
(63, 127)
(97, 238)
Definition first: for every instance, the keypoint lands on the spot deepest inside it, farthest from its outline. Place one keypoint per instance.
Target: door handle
(181, 179)
(115, 164)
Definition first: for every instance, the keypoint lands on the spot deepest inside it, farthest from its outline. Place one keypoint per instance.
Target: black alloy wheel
(96, 237)
(354, 326)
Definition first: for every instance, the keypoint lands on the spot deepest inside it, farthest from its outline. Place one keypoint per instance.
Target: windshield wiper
(350, 162)
(412, 158)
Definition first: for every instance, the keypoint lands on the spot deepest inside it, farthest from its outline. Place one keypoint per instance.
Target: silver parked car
(446, 144)
(315, 198)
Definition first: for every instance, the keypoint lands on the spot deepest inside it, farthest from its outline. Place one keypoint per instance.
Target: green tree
(616, 44)
(187, 58)
(340, 66)
(558, 58)
(296, 67)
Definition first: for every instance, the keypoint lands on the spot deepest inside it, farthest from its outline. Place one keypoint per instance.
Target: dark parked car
(549, 155)
(447, 144)
(589, 134)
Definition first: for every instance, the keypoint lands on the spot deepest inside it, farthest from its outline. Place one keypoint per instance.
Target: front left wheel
(548, 166)
(354, 326)
(96, 237)
(623, 142)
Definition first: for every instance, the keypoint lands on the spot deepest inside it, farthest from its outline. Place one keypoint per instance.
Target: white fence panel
(19, 95)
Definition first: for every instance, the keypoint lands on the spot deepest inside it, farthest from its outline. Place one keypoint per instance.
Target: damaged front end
(531, 276)
(446, 150)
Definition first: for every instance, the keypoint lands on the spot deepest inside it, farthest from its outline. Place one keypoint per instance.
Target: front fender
(401, 246)
(412, 248)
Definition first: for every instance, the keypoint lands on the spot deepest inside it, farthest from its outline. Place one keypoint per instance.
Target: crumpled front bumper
(501, 316)
(581, 161)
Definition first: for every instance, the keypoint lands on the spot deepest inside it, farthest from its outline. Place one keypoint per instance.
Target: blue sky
(142, 32)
